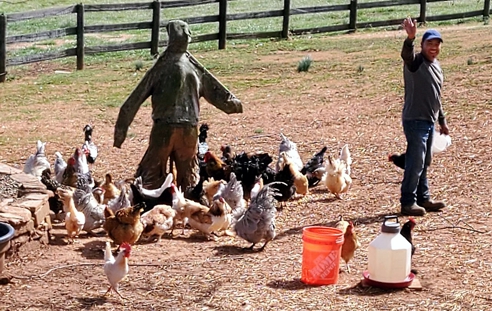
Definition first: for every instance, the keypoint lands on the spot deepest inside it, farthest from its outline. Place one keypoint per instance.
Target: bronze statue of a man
(176, 82)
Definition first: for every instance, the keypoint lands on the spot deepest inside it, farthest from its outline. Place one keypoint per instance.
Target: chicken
(211, 187)
(406, 232)
(55, 203)
(122, 201)
(86, 203)
(257, 187)
(337, 178)
(202, 140)
(124, 225)
(227, 154)
(77, 167)
(350, 241)
(89, 148)
(184, 208)
(257, 223)
(116, 268)
(157, 221)
(397, 159)
(60, 165)
(284, 184)
(110, 189)
(214, 167)
(300, 180)
(37, 163)
(248, 167)
(342, 224)
(74, 220)
(290, 148)
(154, 193)
(153, 197)
(217, 218)
(232, 193)
(315, 163)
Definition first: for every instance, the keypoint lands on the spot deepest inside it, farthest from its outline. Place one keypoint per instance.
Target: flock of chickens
(237, 195)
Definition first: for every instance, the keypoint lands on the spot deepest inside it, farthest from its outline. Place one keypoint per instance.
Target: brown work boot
(432, 206)
(412, 210)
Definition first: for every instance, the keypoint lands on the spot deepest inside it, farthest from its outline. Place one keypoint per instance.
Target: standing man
(423, 78)
(176, 83)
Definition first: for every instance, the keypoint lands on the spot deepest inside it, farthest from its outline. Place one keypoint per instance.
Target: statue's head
(179, 36)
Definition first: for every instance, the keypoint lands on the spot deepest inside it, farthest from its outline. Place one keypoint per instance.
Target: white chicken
(116, 268)
(157, 221)
(290, 149)
(60, 165)
(337, 178)
(37, 163)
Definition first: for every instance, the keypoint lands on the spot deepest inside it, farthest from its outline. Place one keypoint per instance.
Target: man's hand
(410, 27)
(444, 129)
(119, 138)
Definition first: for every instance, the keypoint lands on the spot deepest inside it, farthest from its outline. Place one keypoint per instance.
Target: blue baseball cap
(431, 34)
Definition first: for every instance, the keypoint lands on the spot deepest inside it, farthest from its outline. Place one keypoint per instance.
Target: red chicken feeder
(6, 234)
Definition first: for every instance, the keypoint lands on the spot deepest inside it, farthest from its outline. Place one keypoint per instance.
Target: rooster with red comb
(116, 268)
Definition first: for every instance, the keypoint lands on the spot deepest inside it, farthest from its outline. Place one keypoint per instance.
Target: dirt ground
(453, 256)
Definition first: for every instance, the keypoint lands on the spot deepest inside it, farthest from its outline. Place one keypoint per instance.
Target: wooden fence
(156, 24)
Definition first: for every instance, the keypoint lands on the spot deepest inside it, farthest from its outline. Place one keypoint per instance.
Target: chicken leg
(111, 288)
(263, 247)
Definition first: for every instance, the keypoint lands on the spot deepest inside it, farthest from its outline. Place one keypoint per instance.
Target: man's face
(431, 48)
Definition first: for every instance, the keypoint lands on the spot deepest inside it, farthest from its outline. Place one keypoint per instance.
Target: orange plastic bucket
(321, 255)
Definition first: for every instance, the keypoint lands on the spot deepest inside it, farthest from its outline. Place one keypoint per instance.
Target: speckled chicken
(257, 223)
(37, 163)
(233, 193)
(88, 204)
(290, 149)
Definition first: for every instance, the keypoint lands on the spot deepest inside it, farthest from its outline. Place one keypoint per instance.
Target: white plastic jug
(390, 254)
(440, 142)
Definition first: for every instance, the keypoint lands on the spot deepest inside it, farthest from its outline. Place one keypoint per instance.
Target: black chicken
(165, 198)
(202, 140)
(284, 185)
(406, 232)
(55, 203)
(312, 165)
(397, 159)
(249, 167)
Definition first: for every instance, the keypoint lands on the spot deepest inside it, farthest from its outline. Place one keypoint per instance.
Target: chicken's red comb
(126, 246)
(412, 221)
(222, 148)
(390, 156)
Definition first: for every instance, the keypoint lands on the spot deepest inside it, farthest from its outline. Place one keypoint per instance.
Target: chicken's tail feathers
(346, 157)
(108, 255)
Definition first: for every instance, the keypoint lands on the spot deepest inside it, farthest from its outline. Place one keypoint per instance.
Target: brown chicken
(350, 243)
(124, 225)
(184, 208)
(214, 167)
(110, 189)
(157, 221)
(211, 187)
(300, 180)
(217, 218)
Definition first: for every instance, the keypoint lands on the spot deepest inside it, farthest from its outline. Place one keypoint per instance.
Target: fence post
(222, 24)
(353, 16)
(156, 23)
(486, 10)
(3, 47)
(286, 19)
(80, 36)
(423, 10)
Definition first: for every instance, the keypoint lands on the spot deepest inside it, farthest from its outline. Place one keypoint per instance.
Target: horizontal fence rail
(157, 23)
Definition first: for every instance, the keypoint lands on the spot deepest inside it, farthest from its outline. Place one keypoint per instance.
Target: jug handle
(386, 218)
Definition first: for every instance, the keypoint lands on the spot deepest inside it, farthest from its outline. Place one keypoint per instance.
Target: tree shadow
(294, 284)
(93, 250)
(363, 220)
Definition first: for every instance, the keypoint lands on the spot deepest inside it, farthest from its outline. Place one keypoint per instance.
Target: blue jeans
(414, 187)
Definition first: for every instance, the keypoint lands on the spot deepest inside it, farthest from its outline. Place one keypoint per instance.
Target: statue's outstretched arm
(216, 93)
(130, 107)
